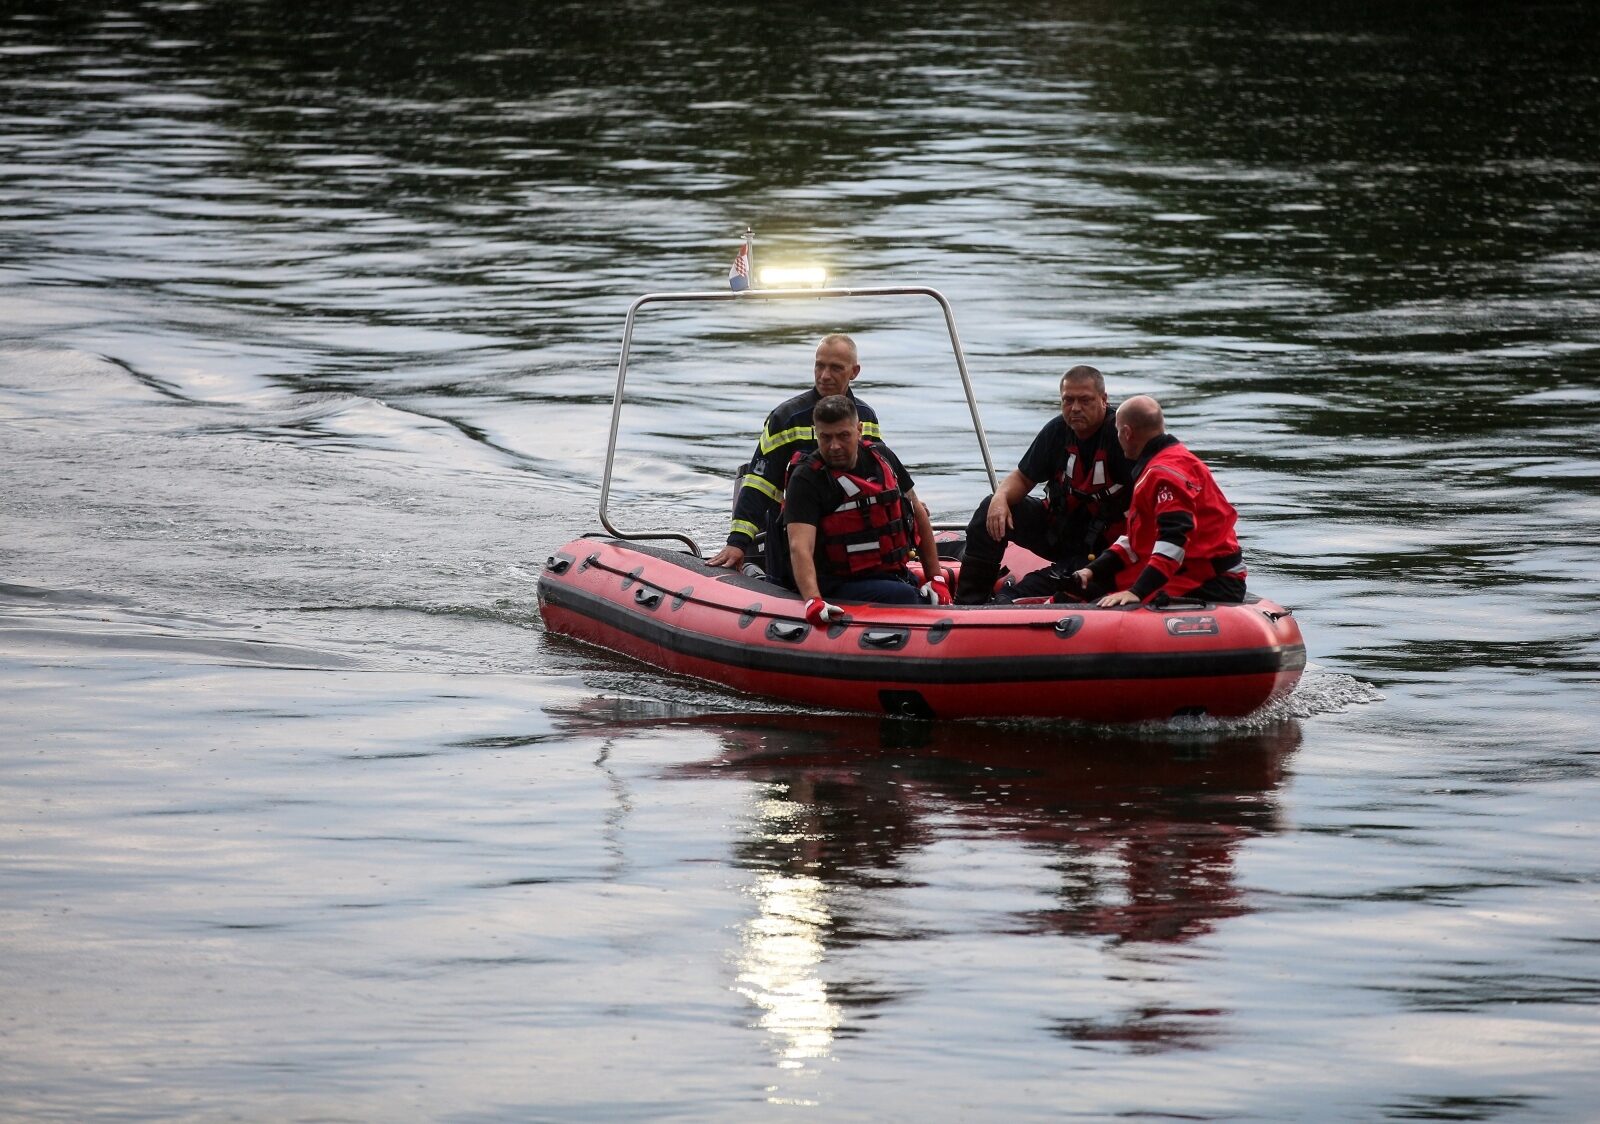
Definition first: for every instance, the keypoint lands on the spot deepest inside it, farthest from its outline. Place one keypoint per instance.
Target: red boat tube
(950, 661)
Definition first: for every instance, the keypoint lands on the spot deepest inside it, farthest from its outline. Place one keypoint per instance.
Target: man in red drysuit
(1180, 525)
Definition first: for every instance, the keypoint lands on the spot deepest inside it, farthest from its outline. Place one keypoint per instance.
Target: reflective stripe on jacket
(788, 430)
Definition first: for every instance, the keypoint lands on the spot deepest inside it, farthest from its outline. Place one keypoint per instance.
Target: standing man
(1180, 525)
(850, 511)
(788, 431)
(1087, 479)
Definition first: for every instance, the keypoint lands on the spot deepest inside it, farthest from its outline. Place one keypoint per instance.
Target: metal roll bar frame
(717, 297)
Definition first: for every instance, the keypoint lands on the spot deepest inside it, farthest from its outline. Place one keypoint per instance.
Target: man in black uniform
(1087, 480)
(789, 431)
(852, 518)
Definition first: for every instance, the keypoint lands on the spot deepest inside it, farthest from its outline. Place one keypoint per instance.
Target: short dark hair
(835, 408)
(1085, 373)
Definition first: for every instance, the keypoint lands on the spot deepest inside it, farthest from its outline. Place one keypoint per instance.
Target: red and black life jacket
(1082, 482)
(866, 533)
(1082, 491)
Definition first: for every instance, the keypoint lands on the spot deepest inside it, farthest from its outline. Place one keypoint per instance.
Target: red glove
(819, 612)
(936, 592)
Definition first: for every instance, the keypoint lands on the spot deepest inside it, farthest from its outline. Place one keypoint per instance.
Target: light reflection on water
(778, 968)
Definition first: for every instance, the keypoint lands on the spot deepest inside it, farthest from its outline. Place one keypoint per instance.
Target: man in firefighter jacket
(1087, 481)
(852, 518)
(1180, 536)
(788, 431)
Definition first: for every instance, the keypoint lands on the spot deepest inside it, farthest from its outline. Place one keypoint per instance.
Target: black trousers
(1031, 528)
(1224, 589)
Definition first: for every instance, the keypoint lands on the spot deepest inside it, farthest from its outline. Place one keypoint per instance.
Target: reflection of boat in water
(1145, 831)
(1002, 661)
(1016, 831)
(859, 794)
(1058, 765)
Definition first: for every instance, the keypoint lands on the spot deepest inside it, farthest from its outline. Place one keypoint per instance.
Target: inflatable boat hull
(994, 661)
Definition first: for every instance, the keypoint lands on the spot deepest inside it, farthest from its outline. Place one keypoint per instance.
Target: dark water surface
(308, 320)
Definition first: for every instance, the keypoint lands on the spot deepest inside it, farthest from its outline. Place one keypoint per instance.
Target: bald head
(1138, 420)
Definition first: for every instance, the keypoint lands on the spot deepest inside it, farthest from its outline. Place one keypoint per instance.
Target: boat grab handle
(885, 638)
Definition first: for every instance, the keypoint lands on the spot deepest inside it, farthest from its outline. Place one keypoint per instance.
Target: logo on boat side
(1192, 626)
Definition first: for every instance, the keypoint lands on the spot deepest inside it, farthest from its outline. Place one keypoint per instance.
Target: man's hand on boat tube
(819, 612)
(936, 591)
(1121, 597)
(729, 556)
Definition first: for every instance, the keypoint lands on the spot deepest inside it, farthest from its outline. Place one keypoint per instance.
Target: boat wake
(1321, 691)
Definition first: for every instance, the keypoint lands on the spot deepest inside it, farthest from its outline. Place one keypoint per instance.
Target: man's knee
(978, 525)
(1224, 589)
(980, 545)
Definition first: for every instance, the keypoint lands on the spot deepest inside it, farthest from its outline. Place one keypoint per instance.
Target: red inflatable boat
(951, 661)
(1073, 661)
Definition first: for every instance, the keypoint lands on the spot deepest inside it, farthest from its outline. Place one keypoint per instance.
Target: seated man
(757, 507)
(1180, 525)
(848, 509)
(1086, 484)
